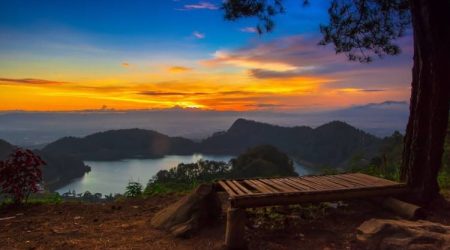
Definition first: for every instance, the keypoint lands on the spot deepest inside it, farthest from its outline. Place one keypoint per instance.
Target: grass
(40, 198)
(169, 188)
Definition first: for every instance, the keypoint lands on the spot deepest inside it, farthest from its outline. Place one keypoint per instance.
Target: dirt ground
(126, 225)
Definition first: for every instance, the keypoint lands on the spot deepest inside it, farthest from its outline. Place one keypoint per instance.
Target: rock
(187, 215)
(404, 234)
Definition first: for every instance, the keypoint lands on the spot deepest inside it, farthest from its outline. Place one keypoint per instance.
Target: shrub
(133, 189)
(21, 174)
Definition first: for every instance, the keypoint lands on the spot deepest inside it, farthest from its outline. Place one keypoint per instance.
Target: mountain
(120, 144)
(5, 149)
(331, 144)
(59, 169)
(36, 128)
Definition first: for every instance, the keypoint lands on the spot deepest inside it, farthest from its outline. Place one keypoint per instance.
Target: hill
(121, 144)
(331, 144)
(59, 169)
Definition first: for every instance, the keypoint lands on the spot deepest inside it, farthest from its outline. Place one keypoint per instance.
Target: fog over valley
(38, 128)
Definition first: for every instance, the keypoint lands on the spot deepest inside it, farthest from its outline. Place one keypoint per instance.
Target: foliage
(444, 175)
(359, 28)
(185, 177)
(262, 161)
(133, 189)
(21, 174)
(202, 171)
(388, 161)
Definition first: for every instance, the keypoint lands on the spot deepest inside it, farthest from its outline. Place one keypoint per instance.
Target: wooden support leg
(235, 231)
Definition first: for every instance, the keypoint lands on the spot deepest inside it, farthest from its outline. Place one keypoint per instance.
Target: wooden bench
(250, 193)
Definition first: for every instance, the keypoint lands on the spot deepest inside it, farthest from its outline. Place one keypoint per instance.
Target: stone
(389, 234)
(184, 217)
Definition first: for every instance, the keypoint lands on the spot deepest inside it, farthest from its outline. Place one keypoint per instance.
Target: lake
(112, 176)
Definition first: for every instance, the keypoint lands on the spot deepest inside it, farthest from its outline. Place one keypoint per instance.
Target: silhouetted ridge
(120, 144)
(331, 144)
(5, 149)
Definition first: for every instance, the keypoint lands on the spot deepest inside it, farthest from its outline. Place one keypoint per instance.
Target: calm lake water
(112, 176)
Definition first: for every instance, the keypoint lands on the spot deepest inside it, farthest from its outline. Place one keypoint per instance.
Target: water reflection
(112, 176)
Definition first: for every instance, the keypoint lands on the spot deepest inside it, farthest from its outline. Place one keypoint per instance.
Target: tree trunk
(430, 98)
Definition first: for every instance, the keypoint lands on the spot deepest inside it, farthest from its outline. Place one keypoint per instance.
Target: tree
(21, 174)
(363, 29)
(133, 189)
(262, 161)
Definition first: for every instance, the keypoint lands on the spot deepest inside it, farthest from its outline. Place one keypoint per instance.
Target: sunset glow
(162, 54)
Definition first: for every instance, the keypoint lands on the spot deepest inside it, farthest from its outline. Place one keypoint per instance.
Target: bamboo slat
(280, 186)
(235, 188)
(292, 190)
(340, 182)
(239, 185)
(227, 188)
(296, 185)
(302, 182)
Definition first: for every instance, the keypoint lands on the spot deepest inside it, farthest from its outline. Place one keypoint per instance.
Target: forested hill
(5, 149)
(59, 168)
(120, 144)
(332, 144)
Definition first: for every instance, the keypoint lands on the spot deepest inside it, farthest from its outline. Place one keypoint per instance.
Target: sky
(131, 55)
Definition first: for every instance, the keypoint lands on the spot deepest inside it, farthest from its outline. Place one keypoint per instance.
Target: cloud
(163, 93)
(247, 61)
(200, 6)
(212, 93)
(30, 81)
(353, 90)
(125, 64)
(249, 30)
(296, 56)
(372, 90)
(178, 69)
(198, 35)
(270, 74)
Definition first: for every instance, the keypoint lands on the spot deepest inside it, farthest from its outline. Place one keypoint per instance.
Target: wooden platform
(295, 190)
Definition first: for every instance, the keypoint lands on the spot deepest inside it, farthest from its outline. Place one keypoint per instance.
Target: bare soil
(126, 225)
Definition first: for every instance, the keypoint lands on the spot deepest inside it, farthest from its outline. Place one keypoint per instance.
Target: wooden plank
(235, 188)
(287, 186)
(262, 184)
(324, 181)
(376, 179)
(351, 183)
(280, 186)
(341, 177)
(296, 185)
(227, 188)
(368, 182)
(240, 186)
(315, 196)
(314, 181)
(340, 182)
(257, 186)
(299, 181)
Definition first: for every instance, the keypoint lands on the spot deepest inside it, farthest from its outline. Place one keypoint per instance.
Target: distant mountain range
(330, 145)
(34, 129)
